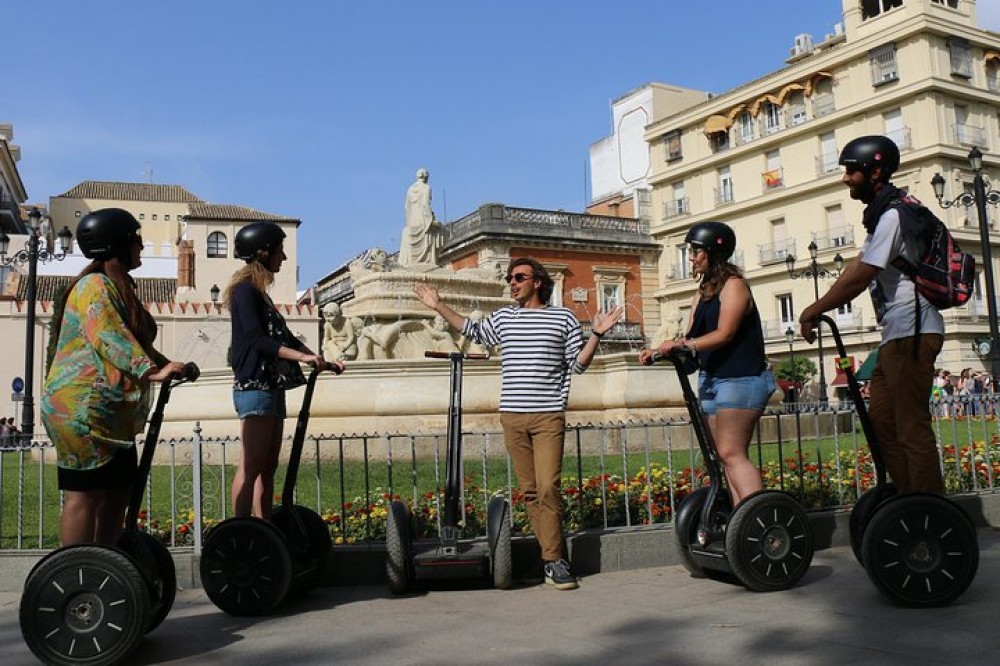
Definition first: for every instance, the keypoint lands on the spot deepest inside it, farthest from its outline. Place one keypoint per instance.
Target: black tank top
(744, 355)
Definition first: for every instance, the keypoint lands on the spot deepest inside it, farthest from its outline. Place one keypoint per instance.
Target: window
(166, 217)
(218, 245)
(683, 262)
(154, 217)
(672, 144)
(883, 64)
(823, 101)
(724, 193)
(829, 156)
(838, 232)
(719, 141)
(771, 116)
(872, 8)
(746, 127)
(678, 204)
(961, 57)
(786, 311)
(77, 214)
(993, 75)
(896, 130)
(950, 3)
(142, 216)
(845, 309)
(611, 296)
(796, 109)
(773, 176)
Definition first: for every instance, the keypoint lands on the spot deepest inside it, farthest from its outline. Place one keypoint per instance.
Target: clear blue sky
(324, 110)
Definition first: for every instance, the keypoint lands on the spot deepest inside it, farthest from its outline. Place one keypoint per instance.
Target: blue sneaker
(557, 574)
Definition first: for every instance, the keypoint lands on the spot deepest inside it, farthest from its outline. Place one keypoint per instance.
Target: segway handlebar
(679, 355)
(327, 366)
(190, 373)
(470, 356)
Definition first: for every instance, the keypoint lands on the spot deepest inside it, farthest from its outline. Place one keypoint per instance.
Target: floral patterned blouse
(94, 400)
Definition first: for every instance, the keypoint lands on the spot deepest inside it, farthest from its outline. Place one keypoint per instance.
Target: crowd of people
(8, 431)
(968, 394)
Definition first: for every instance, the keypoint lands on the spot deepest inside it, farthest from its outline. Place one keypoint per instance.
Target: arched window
(218, 245)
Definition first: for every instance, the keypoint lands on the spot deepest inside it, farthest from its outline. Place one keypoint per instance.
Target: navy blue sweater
(251, 342)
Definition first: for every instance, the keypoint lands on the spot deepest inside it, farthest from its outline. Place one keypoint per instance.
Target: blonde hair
(256, 274)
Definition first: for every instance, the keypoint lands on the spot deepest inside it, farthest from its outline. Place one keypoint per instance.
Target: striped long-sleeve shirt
(539, 347)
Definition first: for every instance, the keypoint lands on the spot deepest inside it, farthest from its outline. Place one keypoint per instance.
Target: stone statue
(340, 341)
(422, 234)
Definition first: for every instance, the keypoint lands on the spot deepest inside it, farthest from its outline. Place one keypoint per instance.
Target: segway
(450, 556)
(91, 604)
(920, 550)
(765, 542)
(249, 566)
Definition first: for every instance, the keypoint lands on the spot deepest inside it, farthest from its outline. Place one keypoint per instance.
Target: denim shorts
(715, 393)
(255, 402)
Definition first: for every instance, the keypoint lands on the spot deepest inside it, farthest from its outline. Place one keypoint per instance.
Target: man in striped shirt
(540, 344)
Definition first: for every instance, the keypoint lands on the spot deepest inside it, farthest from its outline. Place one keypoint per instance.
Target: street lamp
(32, 254)
(790, 338)
(815, 271)
(214, 295)
(979, 197)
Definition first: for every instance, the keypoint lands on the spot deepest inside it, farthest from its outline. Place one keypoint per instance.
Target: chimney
(185, 264)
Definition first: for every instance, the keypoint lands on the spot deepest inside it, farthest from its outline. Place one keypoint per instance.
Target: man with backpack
(912, 328)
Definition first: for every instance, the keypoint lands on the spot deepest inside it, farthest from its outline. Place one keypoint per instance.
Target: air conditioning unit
(803, 44)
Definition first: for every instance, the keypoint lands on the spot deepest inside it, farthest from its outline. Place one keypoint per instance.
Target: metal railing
(619, 474)
(769, 253)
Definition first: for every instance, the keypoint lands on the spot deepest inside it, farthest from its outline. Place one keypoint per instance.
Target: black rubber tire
(245, 567)
(310, 552)
(84, 605)
(501, 552)
(157, 567)
(769, 541)
(398, 547)
(921, 550)
(862, 514)
(686, 530)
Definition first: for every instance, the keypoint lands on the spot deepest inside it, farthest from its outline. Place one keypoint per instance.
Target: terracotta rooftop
(151, 290)
(209, 211)
(116, 191)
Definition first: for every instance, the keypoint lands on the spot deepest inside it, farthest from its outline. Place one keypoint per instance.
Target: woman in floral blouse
(97, 393)
(265, 360)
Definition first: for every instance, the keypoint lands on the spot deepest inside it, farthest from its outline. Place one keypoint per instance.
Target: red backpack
(945, 275)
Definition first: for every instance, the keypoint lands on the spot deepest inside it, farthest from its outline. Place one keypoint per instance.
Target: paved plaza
(643, 616)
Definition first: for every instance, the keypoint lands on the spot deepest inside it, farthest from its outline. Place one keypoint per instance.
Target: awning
(755, 107)
(840, 379)
(864, 373)
(814, 79)
(991, 55)
(717, 123)
(736, 111)
(789, 89)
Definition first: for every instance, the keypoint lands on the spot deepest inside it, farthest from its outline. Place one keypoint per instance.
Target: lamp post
(214, 295)
(32, 254)
(790, 338)
(815, 271)
(979, 197)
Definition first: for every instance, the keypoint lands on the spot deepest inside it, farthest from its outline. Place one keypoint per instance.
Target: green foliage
(802, 371)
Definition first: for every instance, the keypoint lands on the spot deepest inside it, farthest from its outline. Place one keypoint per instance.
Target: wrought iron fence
(619, 474)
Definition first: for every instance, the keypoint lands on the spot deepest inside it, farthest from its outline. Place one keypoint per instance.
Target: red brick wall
(470, 260)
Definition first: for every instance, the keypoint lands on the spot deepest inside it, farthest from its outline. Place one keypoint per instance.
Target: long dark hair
(137, 319)
(715, 277)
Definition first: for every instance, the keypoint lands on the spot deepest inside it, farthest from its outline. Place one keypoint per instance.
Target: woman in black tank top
(724, 330)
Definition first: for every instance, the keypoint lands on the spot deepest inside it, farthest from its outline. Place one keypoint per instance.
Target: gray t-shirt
(892, 292)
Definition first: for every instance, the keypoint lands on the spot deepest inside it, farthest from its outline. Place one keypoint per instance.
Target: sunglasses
(695, 250)
(520, 277)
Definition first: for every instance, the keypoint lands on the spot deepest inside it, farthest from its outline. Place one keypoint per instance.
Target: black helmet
(106, 233)
(717, 238)
(867, 152)
(257, 237)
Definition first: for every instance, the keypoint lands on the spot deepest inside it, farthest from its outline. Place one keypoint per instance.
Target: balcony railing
(827, 162)
(796, 115)
(970, 135)
(769, 253)
(901, 137)
(623, 331)
(823, 105)
(676, 208)
(504, 220)
(835, 237)
(724, 195)
(774, 329)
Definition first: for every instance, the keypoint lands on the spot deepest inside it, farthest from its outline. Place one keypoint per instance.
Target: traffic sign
(17, 385)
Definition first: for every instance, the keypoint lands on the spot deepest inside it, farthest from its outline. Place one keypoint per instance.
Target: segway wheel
(862, 514)
(309, 542)
(84, 605)
(686, 530)
(501, 552)
(157, 566)
(398, 547)
(246, 568)
(769, 541)
(921, 550)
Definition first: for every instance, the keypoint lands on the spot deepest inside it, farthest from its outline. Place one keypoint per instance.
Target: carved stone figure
(422, 234)
(339, 336)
